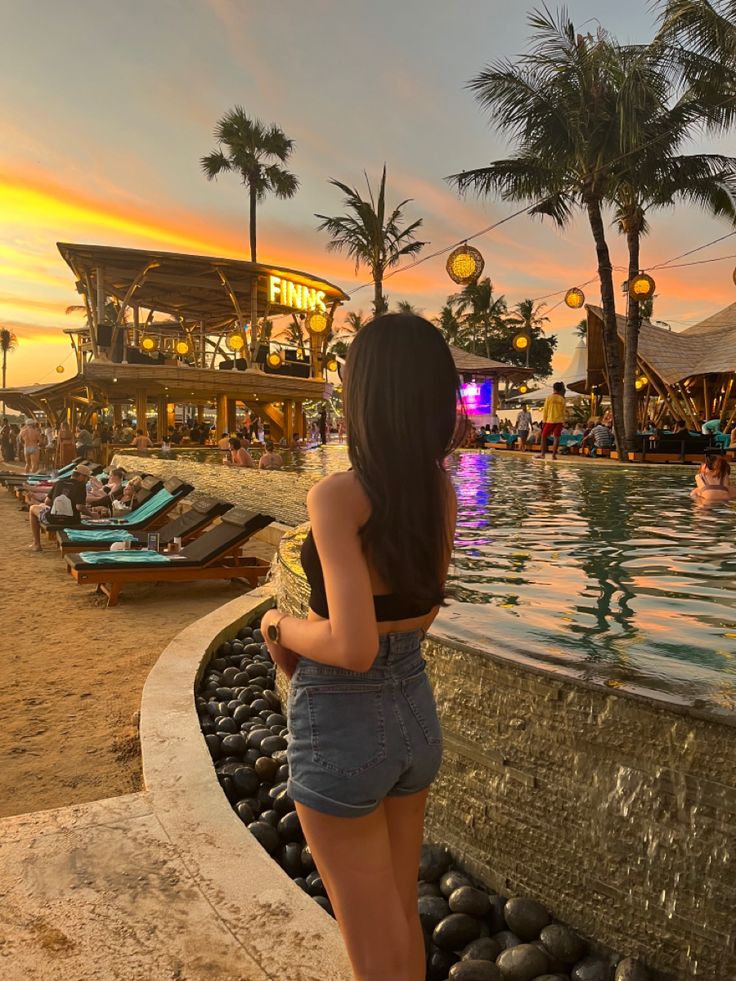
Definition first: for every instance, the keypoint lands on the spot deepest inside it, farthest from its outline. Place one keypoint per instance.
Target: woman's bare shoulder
(338, 489)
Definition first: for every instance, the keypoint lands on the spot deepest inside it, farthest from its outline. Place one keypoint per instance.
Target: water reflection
(606, 567)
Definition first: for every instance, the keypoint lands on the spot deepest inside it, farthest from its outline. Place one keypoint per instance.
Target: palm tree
(581, 328)
(8, 343)
(448, 324)
(561, 109)
(404, 306)
(530, 319)
(481, 315)
(355, 321)
(656, 176)
(370, 236)
(255, 152)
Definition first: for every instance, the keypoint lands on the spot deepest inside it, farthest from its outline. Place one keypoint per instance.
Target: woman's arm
(349, 639)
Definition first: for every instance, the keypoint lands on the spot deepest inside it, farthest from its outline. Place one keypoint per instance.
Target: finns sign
(299, 296)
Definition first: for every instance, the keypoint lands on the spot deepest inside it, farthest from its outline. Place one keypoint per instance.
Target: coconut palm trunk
(253, 213)
(610, 326)
(631, 344)
(379, 304)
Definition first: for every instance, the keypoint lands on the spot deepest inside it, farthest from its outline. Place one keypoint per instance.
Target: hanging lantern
(575, 298)
(235, 341)
(317, 322)
(148, 343)
(641, 287)
(274, 360)
(60, 369)
(640, 382)
(182, 346)
(521, 341)
(523, 389)
(331, 364)
(464, 265)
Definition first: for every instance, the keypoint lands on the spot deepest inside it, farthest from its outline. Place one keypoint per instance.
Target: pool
(609, 569)
(606, 570)
(310, 460)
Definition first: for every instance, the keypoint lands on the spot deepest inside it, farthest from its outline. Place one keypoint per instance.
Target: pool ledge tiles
(163, 883)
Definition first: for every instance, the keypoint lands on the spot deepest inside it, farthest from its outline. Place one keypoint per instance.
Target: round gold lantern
(317, 322)
(575, 298)
(641, 287)
(640, 382)
(331, 364)
(148, 343)
(464, 265)
(523, 389)
(521, 341)
(274, 360)
(60, 369)
(183, 347)
(235, 341)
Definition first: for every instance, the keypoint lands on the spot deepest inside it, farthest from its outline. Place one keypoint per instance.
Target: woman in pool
(365, 740)
(712, 482)
(239, 456)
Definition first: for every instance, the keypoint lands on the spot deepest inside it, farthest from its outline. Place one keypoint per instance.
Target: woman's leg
(405, 819)
(355, 859)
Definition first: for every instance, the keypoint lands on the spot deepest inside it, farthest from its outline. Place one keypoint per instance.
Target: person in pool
(712, 481)
(365, 741)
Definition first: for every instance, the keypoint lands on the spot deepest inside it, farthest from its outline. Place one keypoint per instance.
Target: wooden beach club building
(164, 329)
(686, 374)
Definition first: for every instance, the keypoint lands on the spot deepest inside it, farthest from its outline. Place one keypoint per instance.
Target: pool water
(610, 569)
(310, 460)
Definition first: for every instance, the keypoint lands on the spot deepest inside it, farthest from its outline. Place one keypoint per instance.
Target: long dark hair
(403, 413)
(718, 464)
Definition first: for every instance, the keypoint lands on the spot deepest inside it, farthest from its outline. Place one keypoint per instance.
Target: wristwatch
(273, 631)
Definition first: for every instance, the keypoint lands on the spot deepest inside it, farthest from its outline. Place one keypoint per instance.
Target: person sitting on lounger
(712, 482)
(599, 437)
(66, 502)
(239, 456)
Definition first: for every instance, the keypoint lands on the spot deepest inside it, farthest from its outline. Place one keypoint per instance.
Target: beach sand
(72, 671)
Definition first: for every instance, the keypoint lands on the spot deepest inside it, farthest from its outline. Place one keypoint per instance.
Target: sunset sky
(107, 108)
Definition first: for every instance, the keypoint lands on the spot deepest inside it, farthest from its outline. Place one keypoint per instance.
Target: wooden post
(232, 423)
(299, 419)
(494, 397)
(162, 421)
(117, 414)
(100, 295)
(288, 419)
(221, 415)
(170, 415)
(141, 406)
(200, 413)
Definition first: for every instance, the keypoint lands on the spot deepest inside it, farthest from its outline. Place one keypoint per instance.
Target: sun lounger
(201, 513)
(211, 556)
(37, 482)
(61, 472)
(151, 510)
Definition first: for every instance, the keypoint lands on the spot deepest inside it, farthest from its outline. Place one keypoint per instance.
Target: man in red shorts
(553, 417)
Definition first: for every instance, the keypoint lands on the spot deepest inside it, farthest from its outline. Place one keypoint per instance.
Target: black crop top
(388, 606)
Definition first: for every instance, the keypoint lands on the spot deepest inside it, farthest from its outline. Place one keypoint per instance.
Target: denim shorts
(357, 737)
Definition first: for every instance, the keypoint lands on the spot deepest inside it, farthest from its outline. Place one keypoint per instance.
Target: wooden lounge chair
(211, 556)
(187, 526)
(46, 475)
(22, 482)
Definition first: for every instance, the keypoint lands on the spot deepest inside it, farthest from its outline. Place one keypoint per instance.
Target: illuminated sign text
(297, 295)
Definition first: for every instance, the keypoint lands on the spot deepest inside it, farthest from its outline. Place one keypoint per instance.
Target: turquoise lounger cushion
(82, 535)
(149, 509)
(142, 557)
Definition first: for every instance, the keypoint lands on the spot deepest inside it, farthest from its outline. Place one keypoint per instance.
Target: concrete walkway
(164, 885)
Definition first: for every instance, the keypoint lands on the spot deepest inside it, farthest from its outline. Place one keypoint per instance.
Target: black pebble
(526, 917)
(290, 859)
(525, 962)
(315, 885)
(432, 909)
(469, 900)
(451, 881)
(234, 743)
(474, 971)
(324, 902)
(270, 816)
(245, 812)
(266, 835)
(246, 780)
(213, 745)
(290, 829)
(455, 931)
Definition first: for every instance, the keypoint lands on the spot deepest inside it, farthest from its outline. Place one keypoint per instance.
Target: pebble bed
(471, 933)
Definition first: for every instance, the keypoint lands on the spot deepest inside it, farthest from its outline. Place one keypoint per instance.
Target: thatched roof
(473, 364)
(189, 286)
(706, 348)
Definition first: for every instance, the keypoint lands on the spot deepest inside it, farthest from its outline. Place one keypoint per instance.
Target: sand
(72, 671)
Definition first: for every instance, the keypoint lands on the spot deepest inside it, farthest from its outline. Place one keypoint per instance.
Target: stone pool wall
(617, 813)
(280, 493)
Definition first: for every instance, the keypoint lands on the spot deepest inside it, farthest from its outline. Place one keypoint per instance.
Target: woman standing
(365, 741)
(64, 445)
